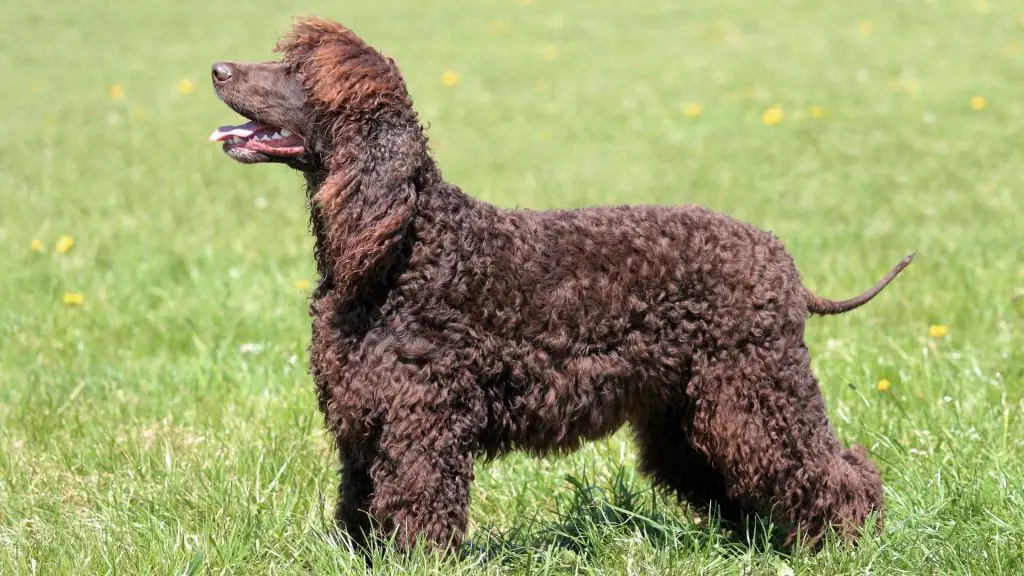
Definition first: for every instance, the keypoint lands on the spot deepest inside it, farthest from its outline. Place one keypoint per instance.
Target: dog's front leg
(425, 468)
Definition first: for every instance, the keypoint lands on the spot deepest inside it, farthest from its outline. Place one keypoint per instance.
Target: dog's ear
(374, 147)
(366, 204)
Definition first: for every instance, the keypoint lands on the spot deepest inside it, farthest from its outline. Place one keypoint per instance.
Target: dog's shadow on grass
(592, 515)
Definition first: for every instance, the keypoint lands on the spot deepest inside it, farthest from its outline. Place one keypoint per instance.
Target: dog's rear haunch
(445, 328)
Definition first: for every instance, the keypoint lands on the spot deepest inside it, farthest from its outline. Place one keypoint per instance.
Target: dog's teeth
(275, 136)
(235, 140)
(285, 133)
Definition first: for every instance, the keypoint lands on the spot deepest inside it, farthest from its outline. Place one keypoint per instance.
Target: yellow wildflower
(117, 92)
(549, 52)
(186, 86)
(883, 385)
(692, 110)
(908, 84)
(865, 28)
(37, 245)
(772, 116)
(73, 298)
(978, 103)
(1012, 49)
(817, 112)
(499, 27)
(302, 284)
(449, 78)
(938, 330)
(64, 243)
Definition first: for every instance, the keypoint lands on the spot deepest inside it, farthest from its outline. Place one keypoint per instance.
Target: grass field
(155, 411)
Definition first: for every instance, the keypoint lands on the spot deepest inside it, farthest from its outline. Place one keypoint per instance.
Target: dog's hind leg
(760, 419)
(671, 463)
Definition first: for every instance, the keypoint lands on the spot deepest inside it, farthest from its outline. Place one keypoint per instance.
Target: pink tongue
(242, 131)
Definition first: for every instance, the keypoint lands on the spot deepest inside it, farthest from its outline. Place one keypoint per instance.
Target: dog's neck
(314, 180)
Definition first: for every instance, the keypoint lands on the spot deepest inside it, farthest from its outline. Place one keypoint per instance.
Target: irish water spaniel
(445, 328)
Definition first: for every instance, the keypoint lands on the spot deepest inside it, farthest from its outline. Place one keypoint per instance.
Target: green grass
(136, 436)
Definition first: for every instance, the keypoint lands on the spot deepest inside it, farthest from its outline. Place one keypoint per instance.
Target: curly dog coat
(445, 328)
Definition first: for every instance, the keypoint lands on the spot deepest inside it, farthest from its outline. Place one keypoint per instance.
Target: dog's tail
(818, 305)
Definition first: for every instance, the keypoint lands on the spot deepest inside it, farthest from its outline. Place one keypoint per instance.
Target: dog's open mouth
(254, 136)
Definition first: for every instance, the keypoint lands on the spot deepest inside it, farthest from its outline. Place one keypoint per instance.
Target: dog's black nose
(221, 72)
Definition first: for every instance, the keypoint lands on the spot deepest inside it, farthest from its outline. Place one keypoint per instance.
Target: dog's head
(338, 110)
(329, 87)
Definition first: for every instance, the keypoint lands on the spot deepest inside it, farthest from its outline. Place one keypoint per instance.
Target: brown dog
(445, 328)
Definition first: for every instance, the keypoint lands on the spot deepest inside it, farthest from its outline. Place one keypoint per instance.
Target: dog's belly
(543, 404)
